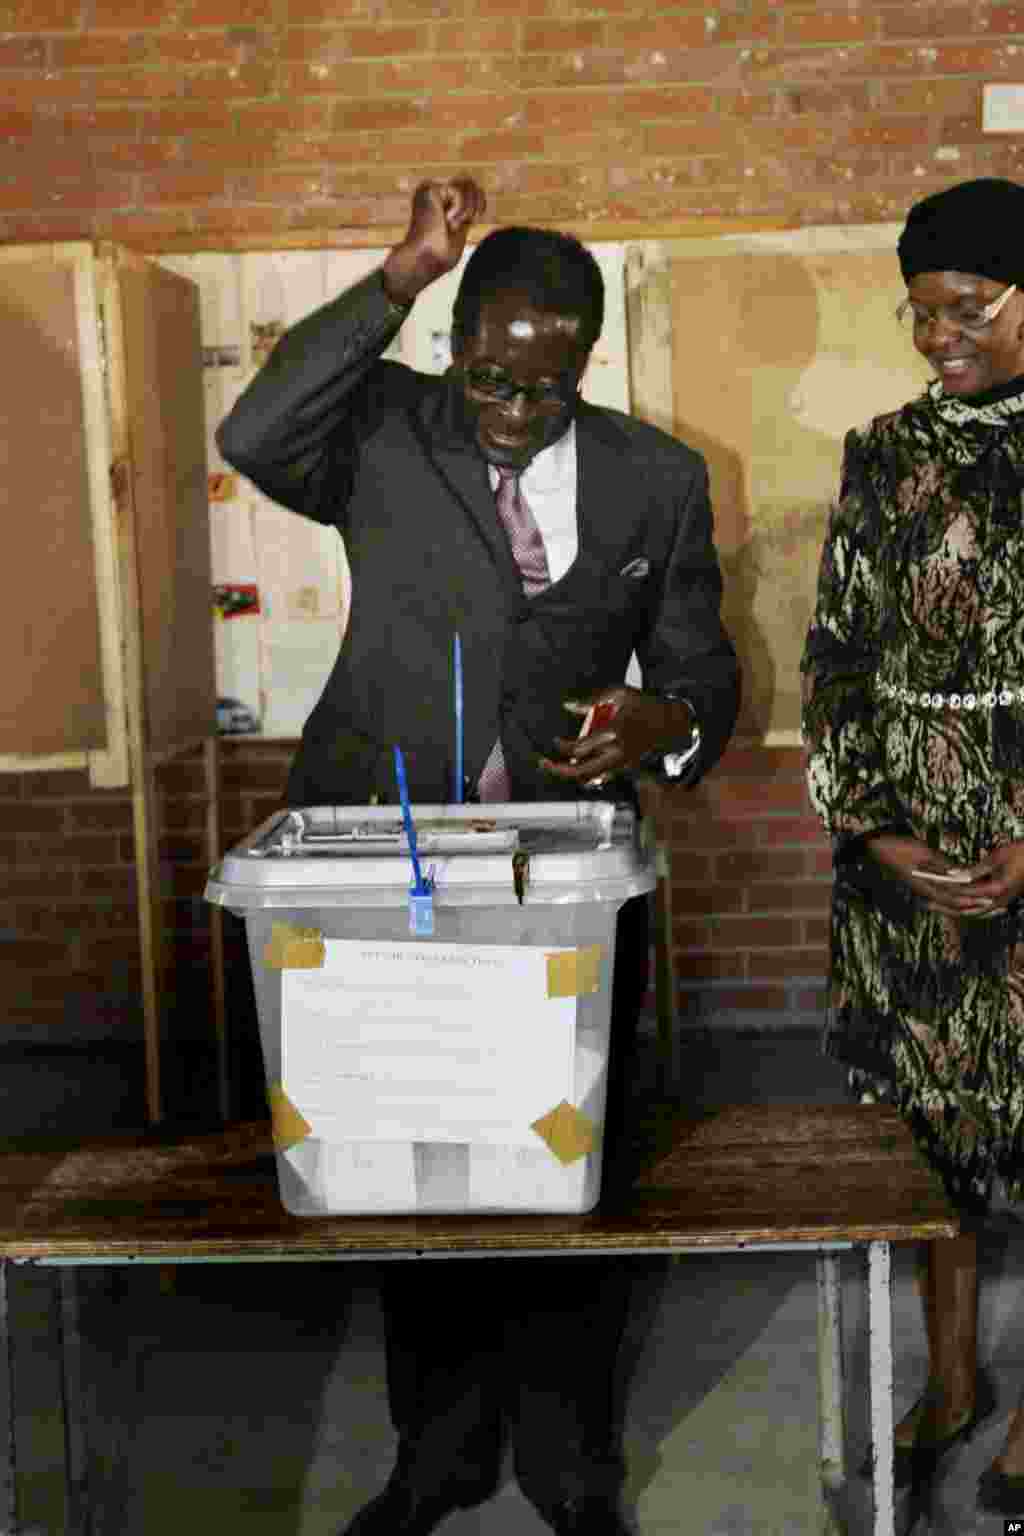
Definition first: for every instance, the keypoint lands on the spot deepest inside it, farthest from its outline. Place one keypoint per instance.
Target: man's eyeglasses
(491, 385)
(970, 317)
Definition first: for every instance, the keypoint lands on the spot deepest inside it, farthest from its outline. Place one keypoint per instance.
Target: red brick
(670, 34)
(124, 85)
(811, 1000)
(934, 97)
(706, 900)
(390, 116)
(930, 21)
(502, 146)
(42, 15)
(839, 24)
(146, 231)
(35, 954)
(262, 806)
(107, 50)
(244, 220)
(100, 814)
(46, 784)
(147, 155)
(174, 119)
(208, 48)
(471, 37)
(752, 801)
(561, 36)
(516, 9)
(709, 967)
(540, 72)
(761, 999)
(115, 884)
(52, 848)
(340, 77)
(845, 99)
(220, 83)
(314, 11)
(998, 19)
(183, 850)
(816, 931)
(426, 10)
(22, 819)
(386, 42)
(119, 14)
(23, 53)
(38, 885)
(796, 896)
(754, 932)
(282, 187)
(228, 13)
(28, 990)
(887, 132)
(97, 917)
(483, 72)
(694, 938)
(746, 104)
(781, 963)
(789, 830)
(704, 832)
(184, 815)
(752, 24)
(758, 866)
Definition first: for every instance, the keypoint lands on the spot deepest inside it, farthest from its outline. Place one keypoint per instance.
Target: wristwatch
(675, 764)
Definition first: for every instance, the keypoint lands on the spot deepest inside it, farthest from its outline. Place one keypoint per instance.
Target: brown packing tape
(575, 971)
(291, 948)
(567, 1131)
(287, 1124)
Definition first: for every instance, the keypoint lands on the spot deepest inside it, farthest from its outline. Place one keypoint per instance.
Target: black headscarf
(976, 227)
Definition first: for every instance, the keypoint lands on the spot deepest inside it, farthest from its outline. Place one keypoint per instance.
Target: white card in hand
(949, 877)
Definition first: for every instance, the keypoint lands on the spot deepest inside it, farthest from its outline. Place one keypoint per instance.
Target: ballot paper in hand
(393, 1041)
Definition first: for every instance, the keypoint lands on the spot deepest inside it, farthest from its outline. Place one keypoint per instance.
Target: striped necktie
(528, 551)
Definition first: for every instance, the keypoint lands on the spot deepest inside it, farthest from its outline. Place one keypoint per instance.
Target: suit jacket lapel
(464, 473)
(607, 492)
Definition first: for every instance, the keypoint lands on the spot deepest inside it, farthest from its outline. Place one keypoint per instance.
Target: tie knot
(505, 475)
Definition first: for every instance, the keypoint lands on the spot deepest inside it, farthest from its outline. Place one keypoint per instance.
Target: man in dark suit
(555, 539)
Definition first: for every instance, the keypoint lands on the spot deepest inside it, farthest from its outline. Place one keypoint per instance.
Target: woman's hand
(913, 861)
(999, 875)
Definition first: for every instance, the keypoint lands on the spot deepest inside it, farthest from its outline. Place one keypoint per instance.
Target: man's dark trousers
(483, 1352)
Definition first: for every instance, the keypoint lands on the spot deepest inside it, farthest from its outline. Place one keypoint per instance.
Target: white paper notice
(393, 1041)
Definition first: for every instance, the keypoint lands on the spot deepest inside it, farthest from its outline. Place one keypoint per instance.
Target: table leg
(880, 1357)
(8, 1439)
(831, 1421)
(72, 1383)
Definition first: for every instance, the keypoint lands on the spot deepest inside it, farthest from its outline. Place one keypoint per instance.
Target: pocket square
(636, 570)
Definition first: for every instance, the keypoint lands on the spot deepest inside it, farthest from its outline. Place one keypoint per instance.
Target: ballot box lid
(557, 851)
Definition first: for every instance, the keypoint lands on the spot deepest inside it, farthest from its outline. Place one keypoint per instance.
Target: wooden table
(744, 1179)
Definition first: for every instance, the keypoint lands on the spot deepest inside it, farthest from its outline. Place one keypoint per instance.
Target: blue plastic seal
(421, 913)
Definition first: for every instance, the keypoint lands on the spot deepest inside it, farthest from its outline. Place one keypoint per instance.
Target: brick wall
(201, 121)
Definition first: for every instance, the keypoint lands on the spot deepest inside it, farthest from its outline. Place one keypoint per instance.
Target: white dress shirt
(548, 484)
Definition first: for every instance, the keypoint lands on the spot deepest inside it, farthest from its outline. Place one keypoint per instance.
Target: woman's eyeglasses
(498, 387)
(973, 318)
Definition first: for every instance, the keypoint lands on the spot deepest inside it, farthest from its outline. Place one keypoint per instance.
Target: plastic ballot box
(441, 1054)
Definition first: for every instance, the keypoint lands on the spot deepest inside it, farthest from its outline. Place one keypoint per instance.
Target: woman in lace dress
(914, 721)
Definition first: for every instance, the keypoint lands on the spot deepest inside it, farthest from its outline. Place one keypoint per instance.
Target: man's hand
(642, 724)
(442, 212)
(994, 880)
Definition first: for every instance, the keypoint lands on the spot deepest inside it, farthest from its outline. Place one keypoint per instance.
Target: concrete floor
(260, 1402)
